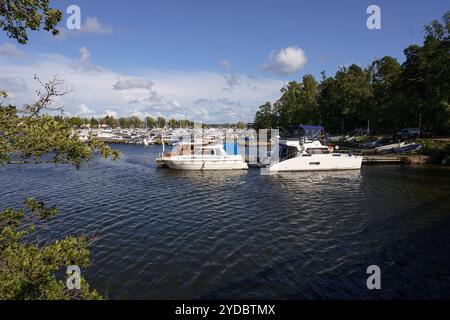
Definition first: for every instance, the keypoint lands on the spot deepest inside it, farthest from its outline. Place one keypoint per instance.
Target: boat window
(175, 149)
(186, 150)
(287, 152)
(207, 152)
(317, 150)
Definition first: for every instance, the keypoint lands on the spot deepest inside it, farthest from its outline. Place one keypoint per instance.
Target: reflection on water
(174, 234)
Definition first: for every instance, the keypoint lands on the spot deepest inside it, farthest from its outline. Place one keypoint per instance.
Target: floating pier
(396, 158)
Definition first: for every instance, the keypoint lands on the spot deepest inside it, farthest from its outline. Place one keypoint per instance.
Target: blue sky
(171, 49)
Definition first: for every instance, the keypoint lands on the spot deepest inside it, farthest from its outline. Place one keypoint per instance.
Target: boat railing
(354, 151)
(291, 155)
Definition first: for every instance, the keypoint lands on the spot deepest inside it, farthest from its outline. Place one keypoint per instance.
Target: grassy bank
(438, 150)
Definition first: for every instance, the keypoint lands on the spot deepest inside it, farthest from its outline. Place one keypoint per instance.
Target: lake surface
(164, 234)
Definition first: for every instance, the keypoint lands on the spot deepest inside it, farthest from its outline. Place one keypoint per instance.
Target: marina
(221, 159)
(248, 144)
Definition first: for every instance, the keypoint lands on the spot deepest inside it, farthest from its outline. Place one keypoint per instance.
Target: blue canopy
(310, 132)
(232, 148)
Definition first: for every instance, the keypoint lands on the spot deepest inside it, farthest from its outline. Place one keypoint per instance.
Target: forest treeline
(123, 122)
(136, 122)
(386, 95)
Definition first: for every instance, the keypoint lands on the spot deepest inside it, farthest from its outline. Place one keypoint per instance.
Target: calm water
(165, 234)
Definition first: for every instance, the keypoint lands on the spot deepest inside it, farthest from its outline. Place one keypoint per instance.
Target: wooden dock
(379, 159)
(396, 158)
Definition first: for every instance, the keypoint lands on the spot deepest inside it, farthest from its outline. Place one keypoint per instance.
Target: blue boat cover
(231, 148)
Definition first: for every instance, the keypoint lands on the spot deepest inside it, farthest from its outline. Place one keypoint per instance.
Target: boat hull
(329, 162)
(209, 165)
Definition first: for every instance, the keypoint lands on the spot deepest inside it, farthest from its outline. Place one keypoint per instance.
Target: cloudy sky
(214, 61)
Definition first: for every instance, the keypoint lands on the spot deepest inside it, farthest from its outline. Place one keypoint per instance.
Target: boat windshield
(317, 150)
(205, 152)
(209, 152)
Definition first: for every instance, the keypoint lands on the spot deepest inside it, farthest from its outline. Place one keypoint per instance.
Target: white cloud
(11, 51)
(84, 55)
(92, 25)
(84, 110)
(112, 113)
(231, 81)
(146, 93)
(175, 103)
(136, 113)
(14, 84)
(133, 83)
(85, 62)
(286, 61)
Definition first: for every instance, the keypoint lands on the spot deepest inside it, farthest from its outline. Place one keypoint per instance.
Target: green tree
(110, 121)
(298, 103)
(27, 269)
(308, 111)
(288, 105)
(160, 122)
(123, 122)
(27, 135)
(135, 122)
(173, 123)
(76, 122)
(387, 97)
(241, 125)
(345, 100)
(265, 117)
(59, 119)
(425, 79)
(93, 122)
(19, 16)
(150, 122)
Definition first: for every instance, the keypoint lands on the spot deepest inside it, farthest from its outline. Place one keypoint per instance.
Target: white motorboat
(148, 141)
(190, 156)
(105, 134)
(116, 138)
(298, 155)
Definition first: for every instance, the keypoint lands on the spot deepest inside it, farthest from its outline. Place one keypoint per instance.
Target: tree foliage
(19, 16)
(266, 117)
(27, 268)
(26, 135)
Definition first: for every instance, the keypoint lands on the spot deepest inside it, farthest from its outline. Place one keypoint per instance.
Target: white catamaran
(306, 153)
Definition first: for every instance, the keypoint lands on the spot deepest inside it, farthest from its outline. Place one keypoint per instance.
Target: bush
(28, 270)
